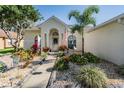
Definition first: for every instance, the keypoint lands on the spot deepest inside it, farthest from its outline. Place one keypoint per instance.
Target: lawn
(7, 50)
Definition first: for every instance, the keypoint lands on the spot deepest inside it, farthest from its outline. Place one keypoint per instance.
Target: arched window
(55, 34)
(71, 41)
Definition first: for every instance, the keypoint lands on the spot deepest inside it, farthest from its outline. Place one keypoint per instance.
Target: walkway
(40, 80)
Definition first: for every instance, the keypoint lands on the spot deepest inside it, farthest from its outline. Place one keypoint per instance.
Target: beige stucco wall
(29, 38)
(107, 42)
(1, 43)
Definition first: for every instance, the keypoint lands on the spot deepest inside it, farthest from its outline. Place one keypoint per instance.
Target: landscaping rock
(67, 78)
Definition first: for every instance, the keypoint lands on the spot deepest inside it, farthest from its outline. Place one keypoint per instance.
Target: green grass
(7, 50)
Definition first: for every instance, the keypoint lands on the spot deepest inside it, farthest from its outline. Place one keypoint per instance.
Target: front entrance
(55, 44)
(54, 40)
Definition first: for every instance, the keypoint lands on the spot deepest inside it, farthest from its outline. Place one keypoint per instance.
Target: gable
(53, 20)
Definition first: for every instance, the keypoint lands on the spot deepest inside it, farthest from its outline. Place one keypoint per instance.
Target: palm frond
(75, 14)
(91, 10)
(75, 28)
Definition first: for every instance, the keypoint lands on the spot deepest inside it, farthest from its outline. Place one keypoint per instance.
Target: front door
(55, 44)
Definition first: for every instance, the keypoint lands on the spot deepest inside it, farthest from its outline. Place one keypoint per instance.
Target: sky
(61, 11)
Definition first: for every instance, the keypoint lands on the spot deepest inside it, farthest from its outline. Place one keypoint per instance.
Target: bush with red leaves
(63, 48)
(46, 49)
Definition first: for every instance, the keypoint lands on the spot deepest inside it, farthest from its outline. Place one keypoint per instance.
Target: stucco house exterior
(107, 40)
(52, 33)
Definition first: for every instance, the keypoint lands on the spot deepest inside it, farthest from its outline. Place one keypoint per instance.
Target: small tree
(83, 19)
(17, 18)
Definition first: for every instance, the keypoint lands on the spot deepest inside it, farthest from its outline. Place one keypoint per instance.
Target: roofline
(109, 21)
(55, 18)
(30, 29)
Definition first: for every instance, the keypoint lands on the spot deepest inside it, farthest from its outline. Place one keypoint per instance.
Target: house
(5, 42)
(107, 40)
(52, 33)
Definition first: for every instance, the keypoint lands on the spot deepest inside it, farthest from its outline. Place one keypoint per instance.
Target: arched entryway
(54, 39)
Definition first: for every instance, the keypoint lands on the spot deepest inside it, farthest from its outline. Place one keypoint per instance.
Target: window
(71, 42)
(55, 34)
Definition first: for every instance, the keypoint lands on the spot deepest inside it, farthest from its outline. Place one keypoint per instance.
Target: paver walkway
(40, 80)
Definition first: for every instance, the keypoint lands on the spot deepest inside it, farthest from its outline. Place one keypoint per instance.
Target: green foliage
(60, 54)
(17, 18)
(7, 50)
(91, 58)
(43, 55)
(82, 60)
(61, 64)
(121, 69)
(17, 15)
(74, 57)
(83, 19)
(23, 54)
(78, 59)
(3, 67)
(92, 77)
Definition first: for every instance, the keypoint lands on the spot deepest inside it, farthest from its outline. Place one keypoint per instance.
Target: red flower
(35, 46)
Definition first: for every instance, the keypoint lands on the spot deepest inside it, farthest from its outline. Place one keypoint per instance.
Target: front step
(53, 53)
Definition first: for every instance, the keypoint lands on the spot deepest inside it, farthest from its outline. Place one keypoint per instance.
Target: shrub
(34, 48)
(78, 59)
(82, 61)
(3, 66)
(91, 58)
(60, 54)
(66, 58)
(43, 56)
(92, 77)
(121, 69)
(46, 49)
(23, 54)
(63, 48)
(74, 57)
(61, 64)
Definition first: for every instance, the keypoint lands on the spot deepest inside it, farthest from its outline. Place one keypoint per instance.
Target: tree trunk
(82, 43)
(73, 42)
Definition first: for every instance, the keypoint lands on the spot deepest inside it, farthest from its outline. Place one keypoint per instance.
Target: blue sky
(61, 11)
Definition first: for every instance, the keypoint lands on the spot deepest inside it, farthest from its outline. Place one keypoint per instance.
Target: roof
(53, 17)
(109, 21)
(3, 34)
(32, 28)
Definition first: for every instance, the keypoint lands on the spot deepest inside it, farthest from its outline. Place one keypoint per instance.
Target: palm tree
(83, 19)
